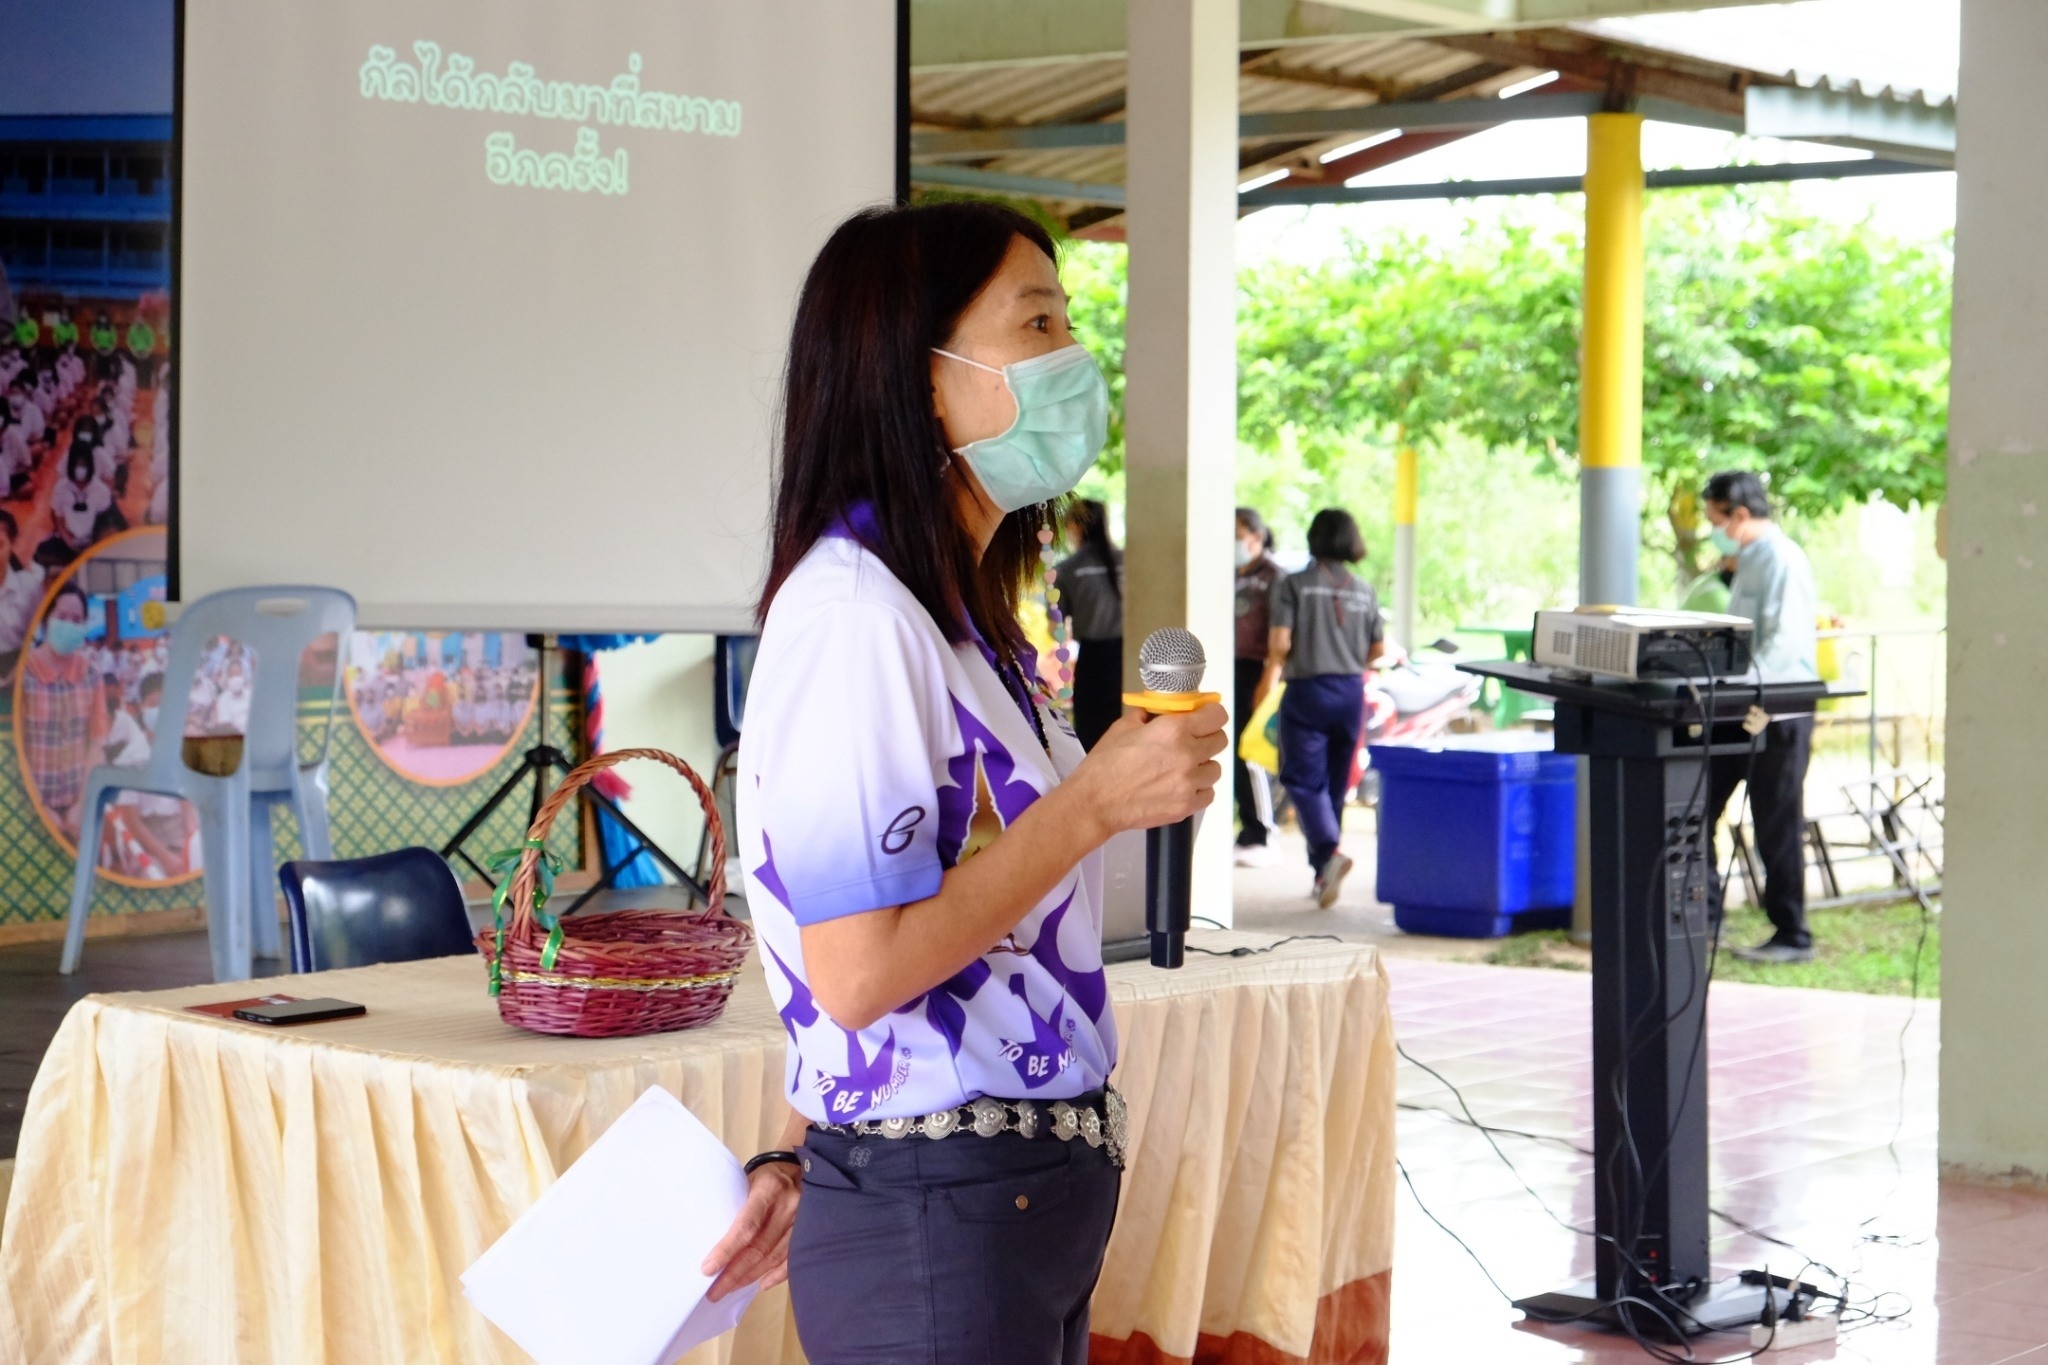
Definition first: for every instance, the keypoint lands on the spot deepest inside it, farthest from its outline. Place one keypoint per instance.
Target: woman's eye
(1041, 323)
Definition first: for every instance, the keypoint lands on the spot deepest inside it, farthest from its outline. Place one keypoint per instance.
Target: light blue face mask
(64, 636)
(1061, 425)
(1725, 543)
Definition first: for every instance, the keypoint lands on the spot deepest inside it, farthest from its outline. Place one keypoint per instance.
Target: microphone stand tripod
(539, 765)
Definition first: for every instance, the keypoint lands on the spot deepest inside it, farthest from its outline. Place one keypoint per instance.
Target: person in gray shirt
(1092, 592)
(1774, 588)
(1324, 630)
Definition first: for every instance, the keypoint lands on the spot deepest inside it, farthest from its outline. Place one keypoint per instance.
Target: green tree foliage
(1812, 350)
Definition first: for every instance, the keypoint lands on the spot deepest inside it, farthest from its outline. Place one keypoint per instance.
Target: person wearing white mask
(231, 708)
(1773, 587)
(23, 408)
(131, 735)
(1091, 584)
(21, 592)
(1257, 571)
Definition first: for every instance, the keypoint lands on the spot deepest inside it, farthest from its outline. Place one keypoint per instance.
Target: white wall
(1994, 1086)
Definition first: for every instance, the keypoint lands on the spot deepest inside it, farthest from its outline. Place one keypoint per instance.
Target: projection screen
(482, 303)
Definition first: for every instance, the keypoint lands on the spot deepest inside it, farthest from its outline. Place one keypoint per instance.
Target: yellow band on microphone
(1170, 703)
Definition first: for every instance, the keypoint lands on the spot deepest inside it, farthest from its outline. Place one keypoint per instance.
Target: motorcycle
(1410, 701)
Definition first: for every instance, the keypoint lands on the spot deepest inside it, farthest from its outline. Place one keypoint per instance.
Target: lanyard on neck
(1014, 683)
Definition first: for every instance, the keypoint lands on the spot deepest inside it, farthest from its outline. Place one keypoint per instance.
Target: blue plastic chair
(276, 625)
(394, 907)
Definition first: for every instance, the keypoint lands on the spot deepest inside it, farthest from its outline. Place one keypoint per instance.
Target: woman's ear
(938, 391)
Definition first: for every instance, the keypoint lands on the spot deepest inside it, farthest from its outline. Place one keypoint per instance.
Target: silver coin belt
(987, 1116)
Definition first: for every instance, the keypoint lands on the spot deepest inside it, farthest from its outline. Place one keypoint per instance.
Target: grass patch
(1864, 949)
(1867, 949)
(1540, 948)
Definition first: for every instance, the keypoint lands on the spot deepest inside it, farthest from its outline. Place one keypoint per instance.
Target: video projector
(1637, 643)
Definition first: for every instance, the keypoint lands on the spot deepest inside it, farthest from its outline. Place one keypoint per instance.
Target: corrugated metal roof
(1328, 74)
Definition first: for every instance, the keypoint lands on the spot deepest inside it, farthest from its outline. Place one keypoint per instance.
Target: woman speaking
(921, 833)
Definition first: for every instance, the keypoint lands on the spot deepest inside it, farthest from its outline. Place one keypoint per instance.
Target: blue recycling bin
(1477, 834)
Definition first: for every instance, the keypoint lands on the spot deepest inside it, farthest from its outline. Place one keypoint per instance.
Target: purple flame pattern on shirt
(770, 879)
(1041, 1059)
(1089, 989)
(802, 1009)
(1010, 792)
(942, 1004)
(863, 1077)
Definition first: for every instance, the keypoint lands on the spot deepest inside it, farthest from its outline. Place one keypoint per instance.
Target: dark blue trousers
(965, 1249)
(1320, 720)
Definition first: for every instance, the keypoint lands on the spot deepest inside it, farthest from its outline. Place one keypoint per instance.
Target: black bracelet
(771, 1158)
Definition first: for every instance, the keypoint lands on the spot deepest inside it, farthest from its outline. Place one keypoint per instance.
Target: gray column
(1610, 529)
(1180, 363)
(1994, 1011)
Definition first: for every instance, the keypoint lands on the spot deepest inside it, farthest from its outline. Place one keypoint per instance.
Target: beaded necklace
(1062, 628)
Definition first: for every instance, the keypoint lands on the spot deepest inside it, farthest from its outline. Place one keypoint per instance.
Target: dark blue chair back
(732, 669)
(355, 912)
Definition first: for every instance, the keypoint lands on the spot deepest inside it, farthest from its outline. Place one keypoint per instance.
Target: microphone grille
(1171, 660)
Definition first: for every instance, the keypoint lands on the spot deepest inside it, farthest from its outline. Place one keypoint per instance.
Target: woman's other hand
(756, 1247)
(1148, 771)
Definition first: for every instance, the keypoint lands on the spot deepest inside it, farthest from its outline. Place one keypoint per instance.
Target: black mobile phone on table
(300, 1012)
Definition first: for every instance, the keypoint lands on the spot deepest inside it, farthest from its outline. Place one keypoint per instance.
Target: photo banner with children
(428, 723)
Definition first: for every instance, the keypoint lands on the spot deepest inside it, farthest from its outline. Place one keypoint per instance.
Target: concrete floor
(1275, 900)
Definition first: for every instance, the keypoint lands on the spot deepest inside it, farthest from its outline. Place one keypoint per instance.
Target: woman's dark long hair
(858, 425)
(1091, 520)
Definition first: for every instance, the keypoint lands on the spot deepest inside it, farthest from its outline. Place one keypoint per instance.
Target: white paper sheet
(602, 1270)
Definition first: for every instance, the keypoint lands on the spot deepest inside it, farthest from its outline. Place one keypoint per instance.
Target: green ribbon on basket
(504, 861)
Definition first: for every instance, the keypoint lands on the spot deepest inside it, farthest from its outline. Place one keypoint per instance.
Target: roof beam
(1778, 173)
(1903, 130)
(954, 34)
(1315, 124)
(1450, 16)
(1025, 186)
(1627, 72)
(1112, 196)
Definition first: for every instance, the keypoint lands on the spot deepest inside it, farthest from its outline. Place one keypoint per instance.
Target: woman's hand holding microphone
(1147, 771)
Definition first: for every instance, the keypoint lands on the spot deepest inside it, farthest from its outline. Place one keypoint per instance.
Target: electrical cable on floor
(1242, 951)
(1560, 1140)
(1693, 845)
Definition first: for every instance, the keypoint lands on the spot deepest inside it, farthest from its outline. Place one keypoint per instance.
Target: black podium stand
(1648, 744)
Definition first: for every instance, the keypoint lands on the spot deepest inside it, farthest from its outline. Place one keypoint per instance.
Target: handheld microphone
(1170, 663)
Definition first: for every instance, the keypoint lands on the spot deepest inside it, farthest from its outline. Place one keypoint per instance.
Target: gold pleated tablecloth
(197, 1191)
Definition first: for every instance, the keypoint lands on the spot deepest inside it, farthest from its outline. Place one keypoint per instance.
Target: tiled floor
(1804, 1090)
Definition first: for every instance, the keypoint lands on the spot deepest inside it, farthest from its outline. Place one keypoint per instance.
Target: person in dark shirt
(1326, 630)
(1257, 572)
(1091, 587)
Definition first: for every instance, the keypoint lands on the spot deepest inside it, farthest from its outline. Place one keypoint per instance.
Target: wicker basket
(620, 974)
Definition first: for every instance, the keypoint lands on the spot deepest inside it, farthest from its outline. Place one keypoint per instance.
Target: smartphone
(300, 1012)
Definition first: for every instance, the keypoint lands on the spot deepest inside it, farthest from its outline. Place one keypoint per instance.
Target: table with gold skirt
(196, 1191)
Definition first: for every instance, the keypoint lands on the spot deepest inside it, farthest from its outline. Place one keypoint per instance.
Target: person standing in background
(1257, 572)
(1774, 588)
(21, 592)
(1091, 587)
(1326, 630)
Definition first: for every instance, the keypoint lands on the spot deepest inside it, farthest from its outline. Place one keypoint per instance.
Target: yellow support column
(1611, 379)
(1405, 478)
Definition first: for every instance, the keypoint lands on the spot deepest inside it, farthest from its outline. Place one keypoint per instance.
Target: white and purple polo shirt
(877, 756)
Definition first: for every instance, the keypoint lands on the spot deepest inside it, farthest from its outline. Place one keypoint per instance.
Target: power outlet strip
(1805, 1332)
